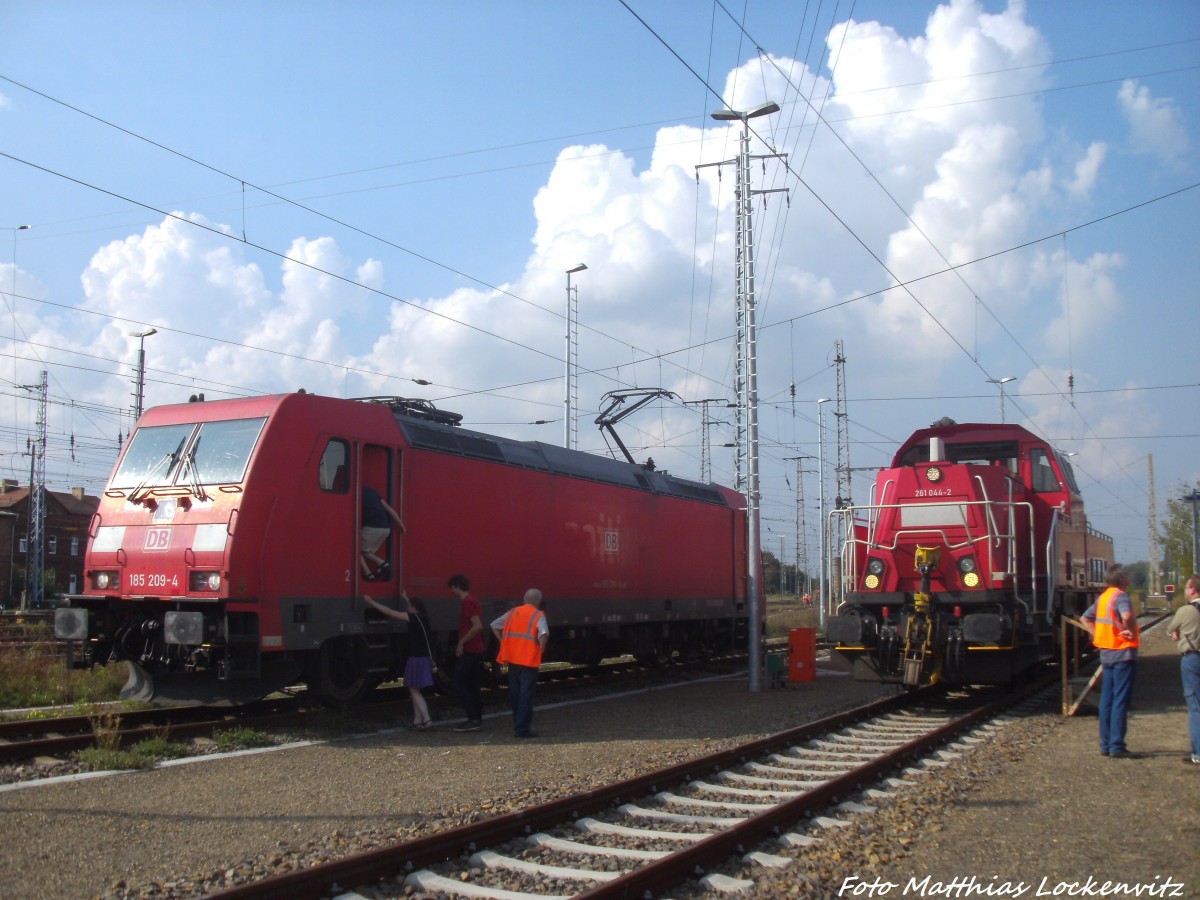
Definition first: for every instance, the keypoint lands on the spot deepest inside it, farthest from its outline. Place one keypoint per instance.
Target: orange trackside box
(802, 654)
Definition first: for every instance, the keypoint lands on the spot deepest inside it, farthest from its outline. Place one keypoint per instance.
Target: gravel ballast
(1037, 801)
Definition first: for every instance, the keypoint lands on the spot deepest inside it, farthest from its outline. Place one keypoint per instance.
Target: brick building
(67, 518)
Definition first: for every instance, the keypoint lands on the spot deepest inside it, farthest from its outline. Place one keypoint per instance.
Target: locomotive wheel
(343, 676)
(658, 658)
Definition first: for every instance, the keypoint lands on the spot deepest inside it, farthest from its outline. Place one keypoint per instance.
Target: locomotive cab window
(1068, 473)
(1002, 453)
(221, 451)
(1041, 472)
(152, 456)
(204, 453)
(334, 473)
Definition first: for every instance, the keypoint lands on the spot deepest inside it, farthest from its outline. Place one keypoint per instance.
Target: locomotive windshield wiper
(167, 463)
(192, 469)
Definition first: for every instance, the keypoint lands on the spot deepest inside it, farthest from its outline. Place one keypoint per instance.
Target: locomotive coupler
(918, 636)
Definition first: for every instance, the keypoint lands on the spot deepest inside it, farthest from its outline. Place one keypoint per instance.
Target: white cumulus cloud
(1154, 125)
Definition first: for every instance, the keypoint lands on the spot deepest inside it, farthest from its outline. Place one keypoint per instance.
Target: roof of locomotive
(425, 434)
(966, 433)
(427, 428)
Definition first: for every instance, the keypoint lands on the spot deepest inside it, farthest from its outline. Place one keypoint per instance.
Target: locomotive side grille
(473, 446)
(696, 491)
(431, 438)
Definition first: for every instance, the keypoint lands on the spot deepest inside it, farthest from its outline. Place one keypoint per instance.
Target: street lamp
(1002, 382)
(571, 393)
(821, 505)
(745, 374)
(747, 351)
(743, 116)
(141, 369)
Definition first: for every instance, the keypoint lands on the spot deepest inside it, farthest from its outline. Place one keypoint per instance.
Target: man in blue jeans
(1113, 626)
(1185, 629)
(522, 633)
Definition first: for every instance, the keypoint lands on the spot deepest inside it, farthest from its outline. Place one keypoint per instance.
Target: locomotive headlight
(933, 474)
(205, 581)
(971, 579)
(875, 568)
(966, 564)
(183, 628)
(103, 581)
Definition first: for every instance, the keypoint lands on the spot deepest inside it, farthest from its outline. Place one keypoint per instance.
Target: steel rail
(670, 871)
(387, 862)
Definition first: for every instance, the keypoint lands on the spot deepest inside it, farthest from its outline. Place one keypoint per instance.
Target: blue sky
(355, 196)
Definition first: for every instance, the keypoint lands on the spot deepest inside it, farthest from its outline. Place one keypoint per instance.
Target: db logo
(158, 539)
(611, 542)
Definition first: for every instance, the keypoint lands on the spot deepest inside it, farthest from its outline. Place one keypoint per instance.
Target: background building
(66, 529)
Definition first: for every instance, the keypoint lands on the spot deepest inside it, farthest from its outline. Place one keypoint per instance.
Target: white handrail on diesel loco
(1011, 537)
(871, 514)
(1051, 560)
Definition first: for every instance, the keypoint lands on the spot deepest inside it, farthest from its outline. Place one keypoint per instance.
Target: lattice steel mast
(705, 443)
(801, 526)
(747, 383)
(1154, 545)
(34, 554)
(842, 472)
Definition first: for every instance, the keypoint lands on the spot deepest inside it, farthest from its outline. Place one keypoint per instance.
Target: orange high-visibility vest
(1107, 635)
(519, 644)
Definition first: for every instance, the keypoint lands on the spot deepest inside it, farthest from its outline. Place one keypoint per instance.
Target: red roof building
(66, 529)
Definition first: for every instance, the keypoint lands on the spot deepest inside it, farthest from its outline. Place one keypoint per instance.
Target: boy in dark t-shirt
(468, 668)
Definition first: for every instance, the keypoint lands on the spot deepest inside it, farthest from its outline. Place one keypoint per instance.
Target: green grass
(38, 676)
(783, 614)
(142, 755)
(242, 739)
(108, 754)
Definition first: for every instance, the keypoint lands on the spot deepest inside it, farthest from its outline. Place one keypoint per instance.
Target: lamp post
(141, 369)
(747, 353)
(1002, 382)
(570, 399)
(821, 505)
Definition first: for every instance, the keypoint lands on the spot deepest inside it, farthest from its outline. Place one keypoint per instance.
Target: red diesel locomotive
(223, 562)
(973, 545)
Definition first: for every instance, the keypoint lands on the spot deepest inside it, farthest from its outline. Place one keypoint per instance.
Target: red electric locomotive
(223, 561)
(973, 545)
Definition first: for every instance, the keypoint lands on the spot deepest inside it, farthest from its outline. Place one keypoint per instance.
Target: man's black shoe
(525, 734)
(1125, 754)
(468, 726)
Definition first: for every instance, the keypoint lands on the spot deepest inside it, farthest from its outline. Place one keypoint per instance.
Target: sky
(367, 199)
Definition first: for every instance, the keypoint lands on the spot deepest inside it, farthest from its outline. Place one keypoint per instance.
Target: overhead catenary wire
(656, 356)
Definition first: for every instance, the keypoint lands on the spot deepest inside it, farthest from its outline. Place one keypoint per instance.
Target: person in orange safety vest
(1113, 626)
(523, 634)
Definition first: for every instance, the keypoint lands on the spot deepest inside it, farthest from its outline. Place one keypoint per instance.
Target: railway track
(701, 819)
(30, 738)
(24, 739)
